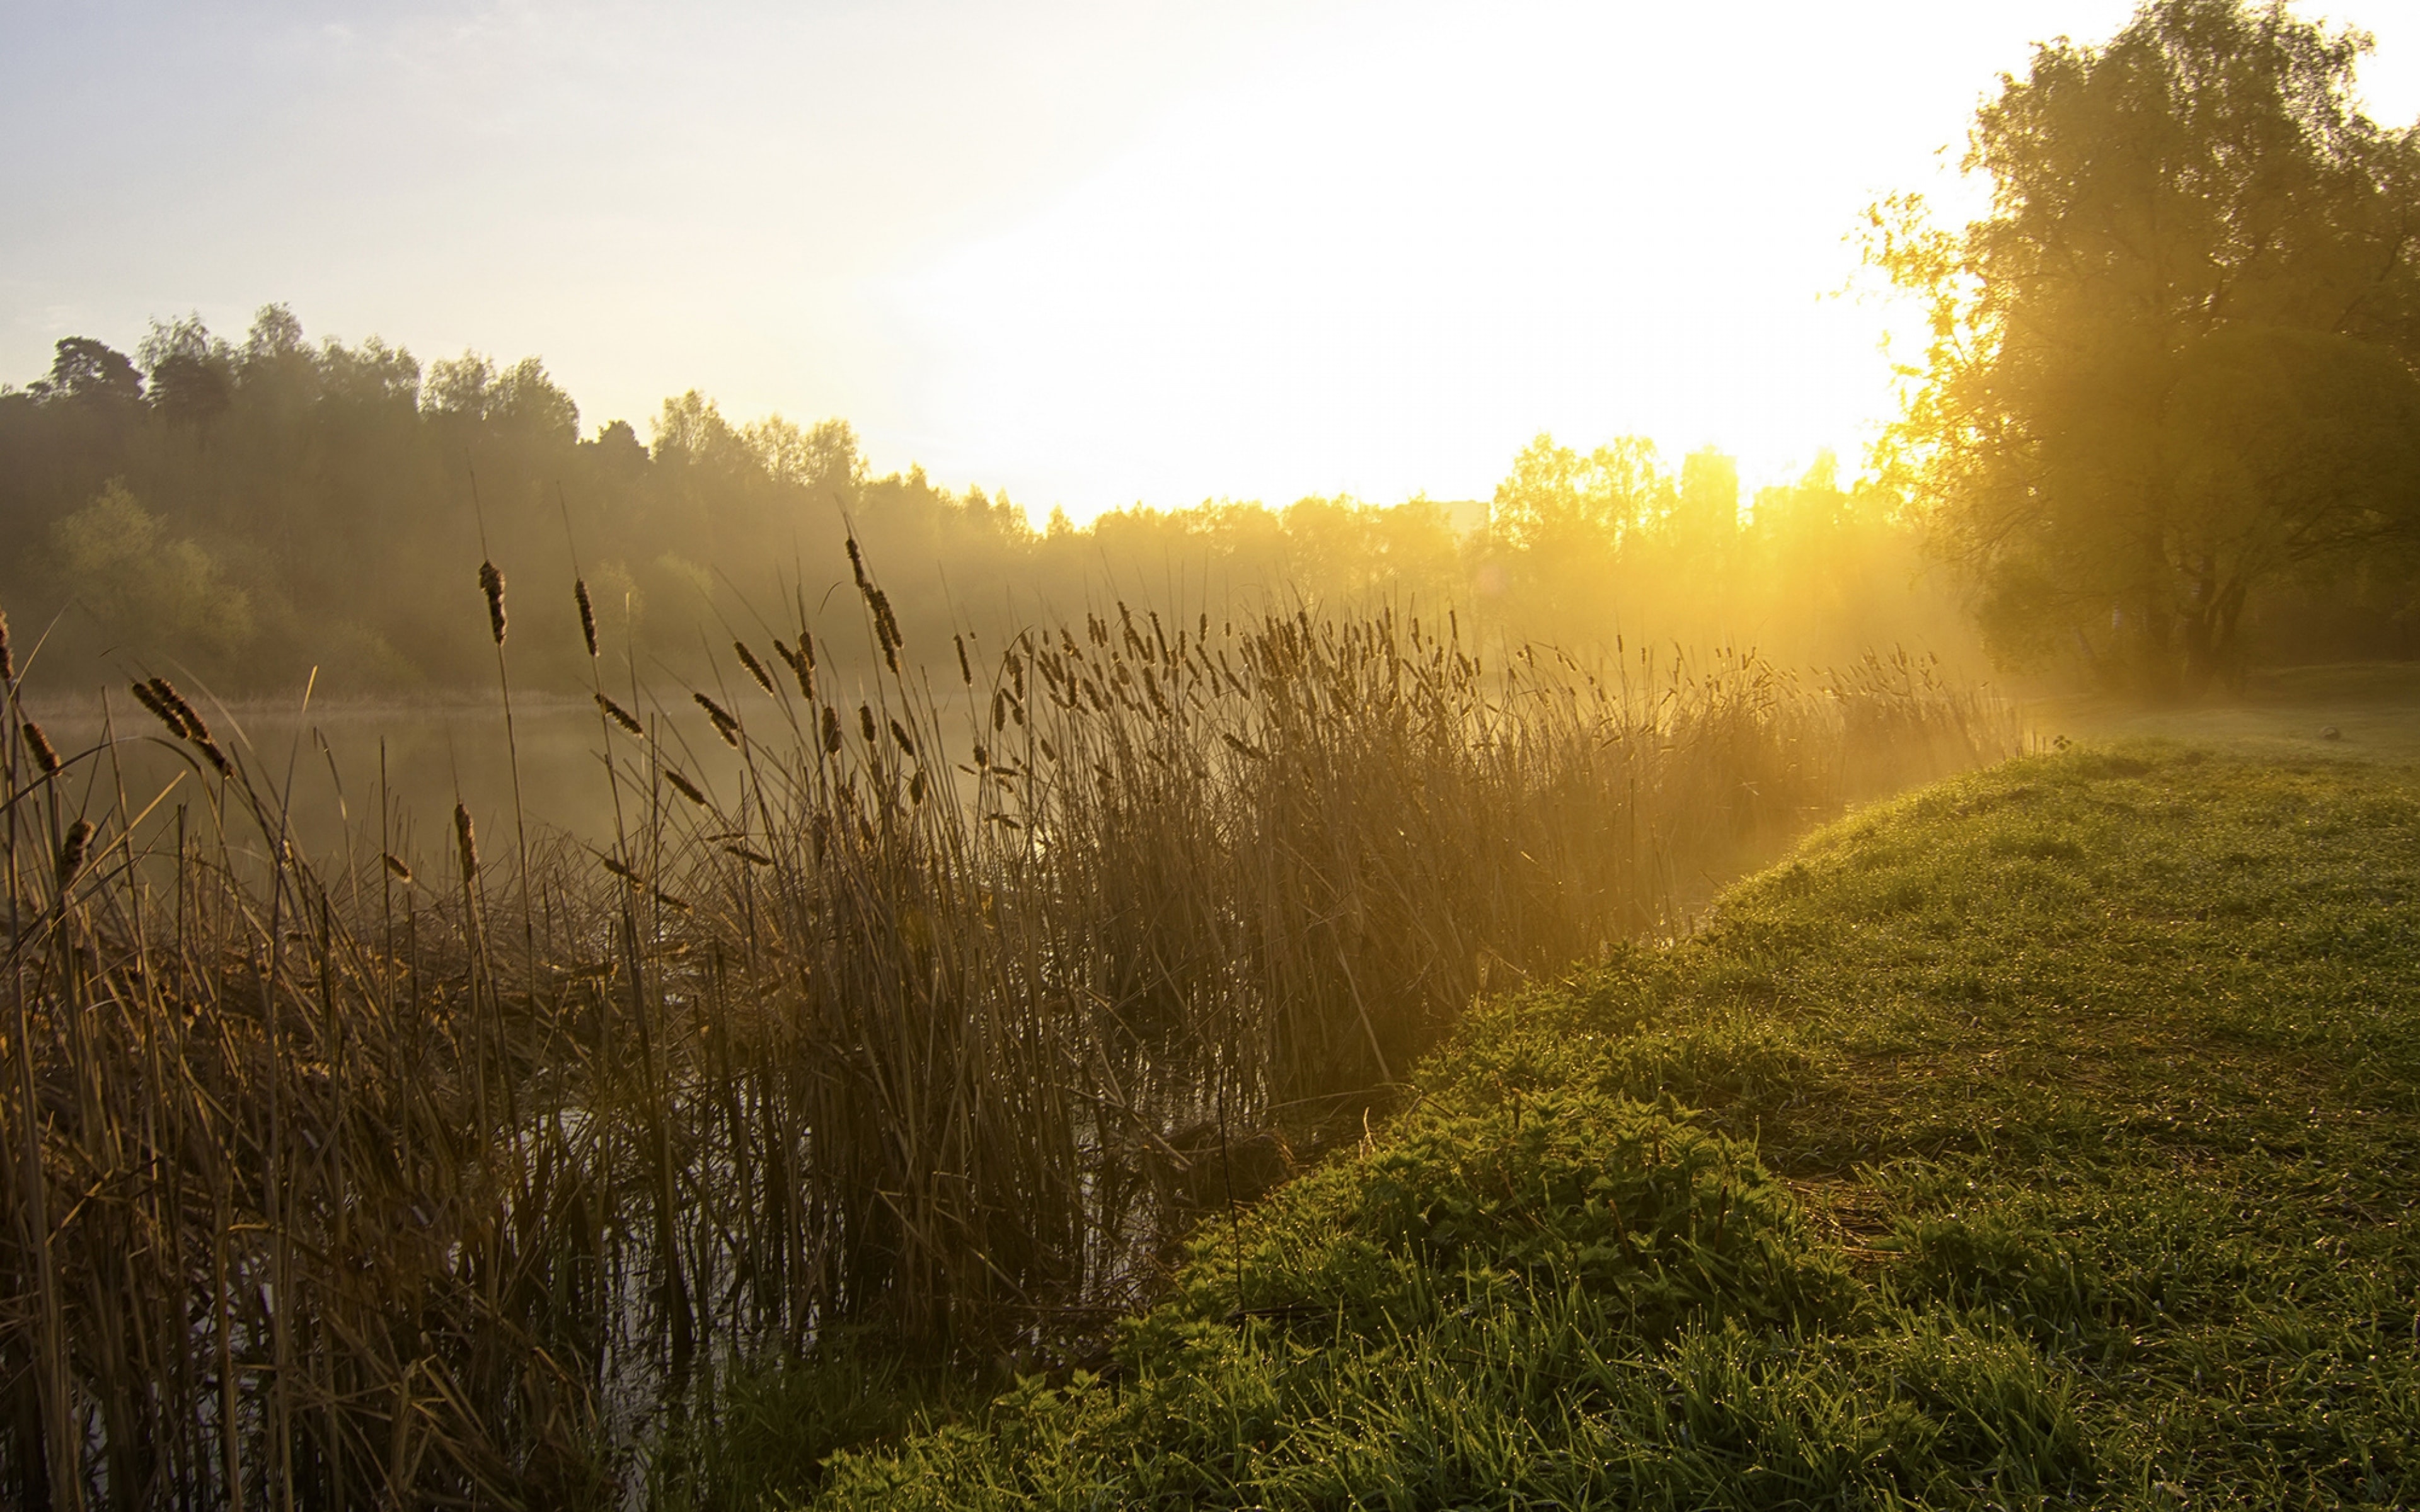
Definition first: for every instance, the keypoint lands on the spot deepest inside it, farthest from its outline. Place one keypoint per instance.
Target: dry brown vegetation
(409, 1179)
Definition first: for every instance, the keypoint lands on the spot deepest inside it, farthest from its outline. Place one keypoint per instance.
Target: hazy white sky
(1095, 253)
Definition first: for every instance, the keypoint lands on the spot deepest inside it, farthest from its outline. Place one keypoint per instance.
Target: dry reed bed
(452, 1181)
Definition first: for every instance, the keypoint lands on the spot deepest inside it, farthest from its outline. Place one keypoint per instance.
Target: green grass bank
(2048, 1136)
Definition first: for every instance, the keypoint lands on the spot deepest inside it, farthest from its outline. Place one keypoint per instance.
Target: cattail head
(620, 715)
(756, 667)
(966, 673)
(832, 731)
(725, 725)
(801, 667)
(899, 733)
(684, 786)
(865, 723)
(492, 582)
(72, 853)
(916, 787)
(587, 612)
(395, 865)
(466, 839)
(183, 721)
(44, 757)
(170, 705)
(150, 700)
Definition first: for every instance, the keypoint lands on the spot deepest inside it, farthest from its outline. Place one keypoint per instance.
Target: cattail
(798, 667)
(671, 903)
(865, 723)
(857, 566)
(899, 733)
(687, 789)
(886, 628)
(757, 858)
(999, 708)
(44, 757)
(467, 840)
(916, 787)
(587, 614)
(832, 731)
(395, 864)
(725, 725)
(161, 697)
(492, 582)
(191, 719)
(621, 716)
(966, 673)
(71, 853)
(756, 667)
(148, 695)
(150, 700)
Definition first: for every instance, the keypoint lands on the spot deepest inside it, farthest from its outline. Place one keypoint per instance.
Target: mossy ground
(2048, 1136)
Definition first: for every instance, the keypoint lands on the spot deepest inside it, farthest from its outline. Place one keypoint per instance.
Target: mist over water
(336, 765)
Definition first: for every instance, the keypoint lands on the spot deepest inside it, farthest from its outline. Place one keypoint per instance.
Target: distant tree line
(251, 510)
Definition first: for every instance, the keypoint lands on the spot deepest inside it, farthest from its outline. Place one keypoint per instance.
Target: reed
(934, 1027)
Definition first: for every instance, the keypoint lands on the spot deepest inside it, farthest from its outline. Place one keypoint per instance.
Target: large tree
(2172, 365)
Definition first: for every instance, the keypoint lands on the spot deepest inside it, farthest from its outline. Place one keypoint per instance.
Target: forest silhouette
(269, 506)
(262, 507)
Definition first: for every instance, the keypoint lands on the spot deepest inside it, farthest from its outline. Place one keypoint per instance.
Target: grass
(2043, 1138)
(531, 1170)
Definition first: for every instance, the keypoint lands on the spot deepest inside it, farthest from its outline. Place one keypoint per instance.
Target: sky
(1094, 254)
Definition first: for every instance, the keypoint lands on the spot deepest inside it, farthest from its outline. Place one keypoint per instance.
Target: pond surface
(335, 763)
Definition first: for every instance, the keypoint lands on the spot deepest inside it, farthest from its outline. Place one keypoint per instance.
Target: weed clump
(1663, 1222)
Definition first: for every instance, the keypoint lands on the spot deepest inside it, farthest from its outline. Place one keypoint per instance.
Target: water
(333, 765)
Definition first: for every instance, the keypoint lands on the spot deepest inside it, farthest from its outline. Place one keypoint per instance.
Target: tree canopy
(2171, 368)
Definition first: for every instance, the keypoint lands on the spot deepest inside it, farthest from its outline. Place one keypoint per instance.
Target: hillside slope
(2048, 1136)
